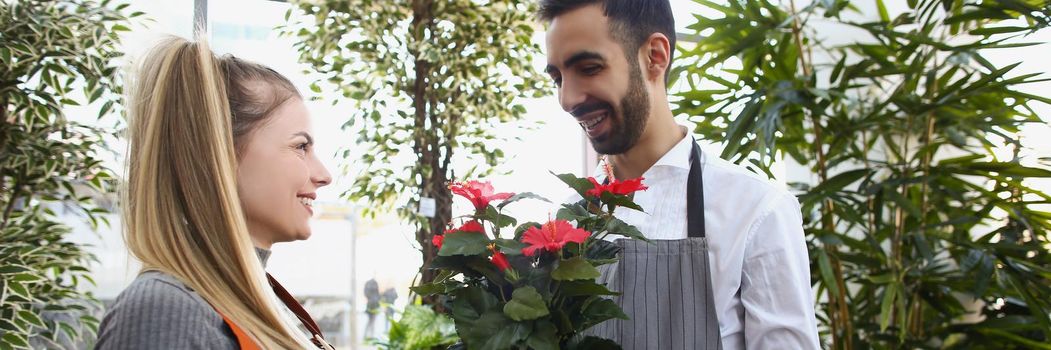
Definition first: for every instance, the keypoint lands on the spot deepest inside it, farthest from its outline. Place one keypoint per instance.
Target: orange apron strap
(243, 340)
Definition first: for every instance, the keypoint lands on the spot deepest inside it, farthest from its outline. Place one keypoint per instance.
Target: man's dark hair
(631, 21)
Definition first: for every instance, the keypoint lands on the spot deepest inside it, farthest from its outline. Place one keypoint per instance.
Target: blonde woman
(221, 166)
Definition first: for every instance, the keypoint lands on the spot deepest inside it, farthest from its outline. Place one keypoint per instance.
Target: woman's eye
(303, 146)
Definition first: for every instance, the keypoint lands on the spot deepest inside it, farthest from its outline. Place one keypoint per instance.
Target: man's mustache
(584, 109)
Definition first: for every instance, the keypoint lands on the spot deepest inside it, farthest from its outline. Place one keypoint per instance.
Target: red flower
(479, 193)
(623, 188)
(499, 259)
(470, 226)
(552, 236)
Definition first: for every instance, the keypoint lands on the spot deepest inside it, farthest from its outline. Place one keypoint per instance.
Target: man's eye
(303, 146)
(591, 70)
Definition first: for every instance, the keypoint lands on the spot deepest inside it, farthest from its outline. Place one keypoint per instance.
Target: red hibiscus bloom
(623, 188)
(479, 193)
(499, 259)
(470, 226)
(552, 236)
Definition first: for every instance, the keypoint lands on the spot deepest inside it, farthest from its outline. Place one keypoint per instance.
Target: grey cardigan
(157, 311)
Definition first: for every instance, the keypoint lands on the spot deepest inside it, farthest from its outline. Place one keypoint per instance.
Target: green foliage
(427, 82)
(541, 301)
(922, 234)
(420, 328)
(53, 55)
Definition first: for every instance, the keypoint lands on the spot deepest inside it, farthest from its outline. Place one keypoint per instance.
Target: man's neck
(661, 135)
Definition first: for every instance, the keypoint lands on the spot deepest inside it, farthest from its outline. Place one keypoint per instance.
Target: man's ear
(656, 57)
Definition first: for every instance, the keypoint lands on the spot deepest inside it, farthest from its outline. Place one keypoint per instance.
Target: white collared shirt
(760, 266)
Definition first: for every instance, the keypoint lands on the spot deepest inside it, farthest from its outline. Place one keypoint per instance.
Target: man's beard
(634, 111)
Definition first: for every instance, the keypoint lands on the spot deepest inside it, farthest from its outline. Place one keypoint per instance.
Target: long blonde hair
(182, 215)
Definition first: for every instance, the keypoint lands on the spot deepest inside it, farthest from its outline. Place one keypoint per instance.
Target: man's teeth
(306, 201)
(591, 124)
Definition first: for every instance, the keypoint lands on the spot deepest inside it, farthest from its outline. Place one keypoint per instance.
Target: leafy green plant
(53, 55)
(922, 234)
(538, 290)
(419, 328)
(428, 81)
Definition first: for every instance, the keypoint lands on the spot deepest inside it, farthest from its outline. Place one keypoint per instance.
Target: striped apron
(665, 285)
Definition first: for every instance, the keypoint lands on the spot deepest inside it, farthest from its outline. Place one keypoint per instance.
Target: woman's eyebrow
(309, 138)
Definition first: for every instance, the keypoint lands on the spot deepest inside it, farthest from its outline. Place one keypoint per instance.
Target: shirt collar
(679, 155)
(263, 255)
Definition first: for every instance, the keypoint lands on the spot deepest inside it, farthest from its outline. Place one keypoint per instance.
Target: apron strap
(695, 196)
(297, 309)
(245, 342)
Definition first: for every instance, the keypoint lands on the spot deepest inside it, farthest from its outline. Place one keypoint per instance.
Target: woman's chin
(298, 236)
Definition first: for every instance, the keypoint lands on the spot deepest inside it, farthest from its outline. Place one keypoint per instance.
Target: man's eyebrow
(580, 56)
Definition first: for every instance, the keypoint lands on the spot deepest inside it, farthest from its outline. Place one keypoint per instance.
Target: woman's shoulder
(158, 311)
(158, 290)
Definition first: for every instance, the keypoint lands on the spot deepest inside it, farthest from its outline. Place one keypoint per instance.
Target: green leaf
(886, 305)
(521, 196)
(575, 268)
(620, 201)
(599, 249)
(619, 227)
(581, 185)
(593, 343)
(428, 289)
(598, 310)
(105, 108)
(27, 277)
(572, 212)
(494, 331)
(510, 246)
(883, 15)
(827, 276)
(841, 180)
(31, 318)
(464, 243)
(16, 340)
(584, 288)
(472, 301)
(544, 337)
(520, 230)
(18, 289)
(500, 220)
(12, 269)
(421, 328)
(1008, 169)
(526, 304)
(999, 30)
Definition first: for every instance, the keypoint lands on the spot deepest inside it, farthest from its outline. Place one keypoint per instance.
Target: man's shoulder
(731, 181)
